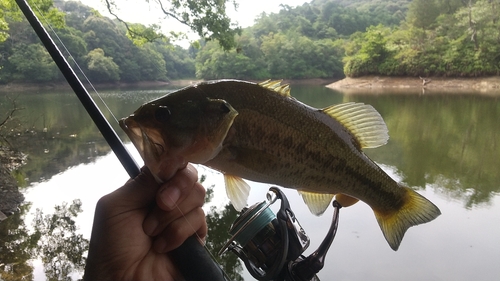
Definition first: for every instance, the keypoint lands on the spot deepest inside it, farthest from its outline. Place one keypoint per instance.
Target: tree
(33, 63)
(207, 18)
(366, 51)
(151, 64)
(102, 68)
(10, 10)
(422, 13)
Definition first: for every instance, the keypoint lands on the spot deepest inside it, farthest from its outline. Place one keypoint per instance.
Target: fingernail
(169, 196)
(150, 226)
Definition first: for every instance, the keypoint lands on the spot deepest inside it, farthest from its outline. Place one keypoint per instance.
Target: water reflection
(52, 239)
(444, 145)
(448, 141)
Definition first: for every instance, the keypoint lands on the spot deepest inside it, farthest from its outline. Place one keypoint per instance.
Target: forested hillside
(302, 42)
(438, 38)
(332, 38)
(319, 39)
(98, 44)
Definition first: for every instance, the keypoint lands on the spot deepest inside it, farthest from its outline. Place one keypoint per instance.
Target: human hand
(138, 224)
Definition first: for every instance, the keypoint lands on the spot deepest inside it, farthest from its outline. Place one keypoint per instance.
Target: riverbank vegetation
(98, 44)
(357, 38)
(319, 39)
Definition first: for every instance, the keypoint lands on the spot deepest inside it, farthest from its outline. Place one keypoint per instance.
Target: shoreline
(17, 87)
(385, 84)
(14, 87)
(373, 84)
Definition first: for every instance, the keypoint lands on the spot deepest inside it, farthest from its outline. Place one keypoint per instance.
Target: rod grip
(194, 262)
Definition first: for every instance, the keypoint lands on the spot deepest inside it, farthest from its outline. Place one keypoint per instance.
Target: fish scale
(260, 133)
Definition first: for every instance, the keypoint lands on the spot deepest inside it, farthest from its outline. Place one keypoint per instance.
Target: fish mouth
(149, 144)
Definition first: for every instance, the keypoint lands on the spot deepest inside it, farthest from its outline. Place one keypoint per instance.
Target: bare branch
(129, 29)
(10, 114)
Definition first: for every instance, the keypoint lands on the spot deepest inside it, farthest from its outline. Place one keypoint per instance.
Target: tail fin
(416, 210)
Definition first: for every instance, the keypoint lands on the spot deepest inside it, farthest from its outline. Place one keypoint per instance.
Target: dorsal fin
(363, 121)
(275, 85)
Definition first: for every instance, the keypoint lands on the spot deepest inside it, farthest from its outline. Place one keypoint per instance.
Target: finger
(136, 192)
(158, 219)
(178, 188)
(169, 166)
(179, 230)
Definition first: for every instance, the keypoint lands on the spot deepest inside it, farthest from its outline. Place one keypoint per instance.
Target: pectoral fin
(316, 202)
(345, 200)
(237, 190)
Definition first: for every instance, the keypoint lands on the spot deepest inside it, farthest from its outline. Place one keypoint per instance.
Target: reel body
(271, 246)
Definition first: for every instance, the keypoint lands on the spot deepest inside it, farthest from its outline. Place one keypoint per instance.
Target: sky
(138, 11)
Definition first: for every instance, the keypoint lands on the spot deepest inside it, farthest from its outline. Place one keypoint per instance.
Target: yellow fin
(237, 190)
(345, 200)
(275, 85)
(415, 210)
(363, 121)
(316, 202)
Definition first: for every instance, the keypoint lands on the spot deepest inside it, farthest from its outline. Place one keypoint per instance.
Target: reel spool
(271, 246)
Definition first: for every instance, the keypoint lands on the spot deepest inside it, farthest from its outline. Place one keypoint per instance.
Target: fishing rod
(191, 254)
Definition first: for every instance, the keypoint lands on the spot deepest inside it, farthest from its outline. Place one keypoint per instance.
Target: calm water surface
(444, 146)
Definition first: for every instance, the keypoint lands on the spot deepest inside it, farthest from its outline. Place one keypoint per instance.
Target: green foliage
(9, 11)
(444, 38)
(151, 64)
(140, 34)
(422, 13)
(296, 43)
(100, 67)
(22, 59)
(321, 39)
(33, 62)
(213, 63)
(207, 18)
(367, 51)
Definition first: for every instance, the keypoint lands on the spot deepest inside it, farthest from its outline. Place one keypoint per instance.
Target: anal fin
(316, 202)
(345, 200)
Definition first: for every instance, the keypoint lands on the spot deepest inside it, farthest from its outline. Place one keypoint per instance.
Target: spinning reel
(271, 246)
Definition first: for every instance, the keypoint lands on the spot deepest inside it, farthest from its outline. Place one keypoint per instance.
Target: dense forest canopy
(319, 39)
(333, 38)
(98, 44)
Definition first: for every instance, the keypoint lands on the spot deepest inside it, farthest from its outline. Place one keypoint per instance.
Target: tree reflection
(219, 222)
(59, 247)
(54, 241)
(450, 142)
(17, 247)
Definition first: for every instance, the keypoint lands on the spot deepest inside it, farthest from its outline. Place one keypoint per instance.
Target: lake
(445, 146)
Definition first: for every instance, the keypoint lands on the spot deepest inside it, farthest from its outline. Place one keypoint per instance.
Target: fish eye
(162, 114)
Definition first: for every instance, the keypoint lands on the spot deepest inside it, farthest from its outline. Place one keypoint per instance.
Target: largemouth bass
(260, 133)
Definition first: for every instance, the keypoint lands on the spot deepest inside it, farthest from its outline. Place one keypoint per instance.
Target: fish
(259, 132)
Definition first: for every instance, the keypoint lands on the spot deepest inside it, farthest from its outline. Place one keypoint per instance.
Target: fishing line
(114, 117)
(70, 56)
